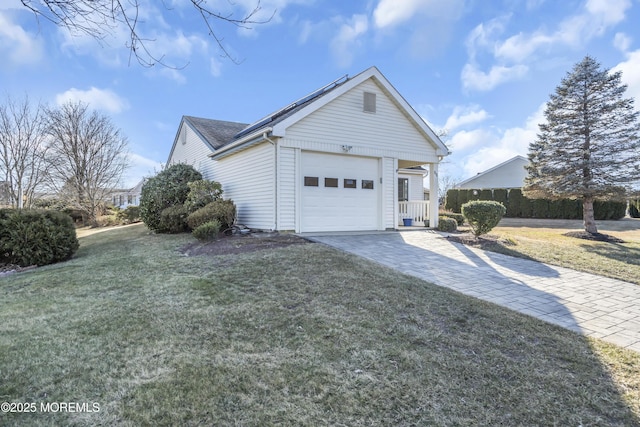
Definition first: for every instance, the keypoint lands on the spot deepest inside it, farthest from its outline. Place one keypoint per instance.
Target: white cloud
(390, 13)
(462, 116)
(513, 53)
(139, 167)
(622, 42)
(474, 78)
(483, 148)
(347, 40)
(464, 140)
(630, 75)
(100, 99)
(215, 67)
(17, 46)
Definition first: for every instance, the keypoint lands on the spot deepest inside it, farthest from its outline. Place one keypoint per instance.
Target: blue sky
(481, 69)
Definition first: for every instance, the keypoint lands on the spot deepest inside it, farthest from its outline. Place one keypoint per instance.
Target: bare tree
(22, 150)
(87, 158)
(97, 18)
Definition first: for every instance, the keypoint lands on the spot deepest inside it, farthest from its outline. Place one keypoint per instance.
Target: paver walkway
(592, 305)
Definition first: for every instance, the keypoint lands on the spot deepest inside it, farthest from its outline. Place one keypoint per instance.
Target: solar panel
(271, 117)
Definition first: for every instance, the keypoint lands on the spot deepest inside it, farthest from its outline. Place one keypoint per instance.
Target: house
(509, 174)
(125, 198)
(342, 158)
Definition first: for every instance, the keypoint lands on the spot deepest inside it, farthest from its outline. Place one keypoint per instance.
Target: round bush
(201, 193)
(224, 211)
(30, 237)
(207, 231)
(483, 215)
(173, 220)
(168, 188)
(458, 217)
(447, 224)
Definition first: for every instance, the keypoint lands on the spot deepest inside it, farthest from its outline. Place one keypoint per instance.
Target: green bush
(34, 237)
(483, 215)
(447, 224)
(634, 208)
(173, 220)
(457, 216)
(207, 231)
(129, 215)
(201, 193)
(224, 211)
(168, 188)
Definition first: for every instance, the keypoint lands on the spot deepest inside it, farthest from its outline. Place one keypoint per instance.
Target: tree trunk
(588, 216)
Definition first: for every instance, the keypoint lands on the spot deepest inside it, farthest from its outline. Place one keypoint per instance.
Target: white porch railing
(418, 210)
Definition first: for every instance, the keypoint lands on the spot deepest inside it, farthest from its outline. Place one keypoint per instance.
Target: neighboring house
(124, 198)
(509, 174)
(335, 160)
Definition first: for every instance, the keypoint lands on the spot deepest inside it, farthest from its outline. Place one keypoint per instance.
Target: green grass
(616, 260)
(301, 335)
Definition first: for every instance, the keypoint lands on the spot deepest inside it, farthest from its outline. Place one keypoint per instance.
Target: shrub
(32, 237)
(483, 215)
(201, 193)
(457, 216)
(224, 211)
(451, 200)
(207, 231)
(107, 220)
(634, 212)
(130, 214)
(173, 220)
(168, 188)
(447, 224)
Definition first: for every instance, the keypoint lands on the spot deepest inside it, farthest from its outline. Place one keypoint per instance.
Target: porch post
(433, 195)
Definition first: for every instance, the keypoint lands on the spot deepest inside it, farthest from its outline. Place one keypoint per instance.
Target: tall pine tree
(589, 148)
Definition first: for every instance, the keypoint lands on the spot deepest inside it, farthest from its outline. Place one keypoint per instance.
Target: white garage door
(339, 193)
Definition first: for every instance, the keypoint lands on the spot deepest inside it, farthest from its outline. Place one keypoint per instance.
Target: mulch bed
(599, 237)
(238, 244)
(478, 242)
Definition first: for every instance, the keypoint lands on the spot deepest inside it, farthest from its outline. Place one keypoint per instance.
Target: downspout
(275, 178)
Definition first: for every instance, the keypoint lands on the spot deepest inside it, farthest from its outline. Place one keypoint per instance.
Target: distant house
(509, 174)
(342, 158)
(124, 198)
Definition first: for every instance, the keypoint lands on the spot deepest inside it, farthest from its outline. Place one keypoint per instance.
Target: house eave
(241, 144)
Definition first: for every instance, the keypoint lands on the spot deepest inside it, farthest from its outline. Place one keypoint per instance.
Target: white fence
(418, 210)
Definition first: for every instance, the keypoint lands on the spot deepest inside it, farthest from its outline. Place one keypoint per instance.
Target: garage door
(339, 193)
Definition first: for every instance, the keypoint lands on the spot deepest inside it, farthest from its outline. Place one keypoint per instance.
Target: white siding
(510, 174)
(387, 132)
(389, 192)
(191, 150)
(248, 178)
(287, 188)
(416, 186)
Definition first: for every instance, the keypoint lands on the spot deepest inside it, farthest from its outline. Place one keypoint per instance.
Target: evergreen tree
(589, 148)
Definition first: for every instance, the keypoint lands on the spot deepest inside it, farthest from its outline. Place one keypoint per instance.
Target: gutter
(241, 143)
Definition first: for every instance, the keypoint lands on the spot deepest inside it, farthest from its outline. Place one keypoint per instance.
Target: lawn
(299, 335)
(545, 241)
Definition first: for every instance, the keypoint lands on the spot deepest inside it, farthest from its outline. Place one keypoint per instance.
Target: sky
(479, 70)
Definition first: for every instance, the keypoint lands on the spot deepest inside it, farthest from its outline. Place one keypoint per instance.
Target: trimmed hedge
(458, 217)
(519, 206)
(36, 237)
(483, 215)
(173, 220)
(207, 231)
(634, 208)
(447, 224)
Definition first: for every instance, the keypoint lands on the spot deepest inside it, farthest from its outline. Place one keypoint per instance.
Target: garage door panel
(339, 208)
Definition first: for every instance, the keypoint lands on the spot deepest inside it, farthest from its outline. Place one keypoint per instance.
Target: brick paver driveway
(592, 305)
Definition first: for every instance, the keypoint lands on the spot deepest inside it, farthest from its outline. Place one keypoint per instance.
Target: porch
(416, 210)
